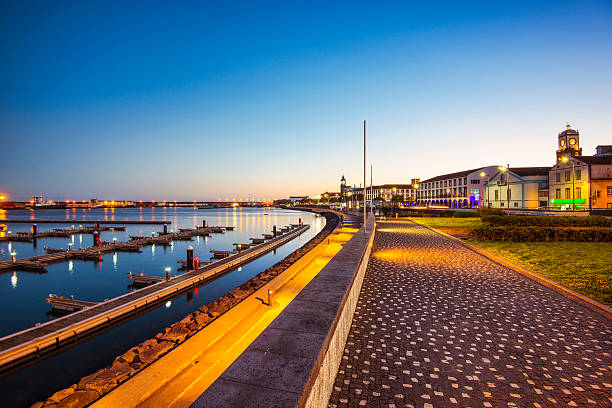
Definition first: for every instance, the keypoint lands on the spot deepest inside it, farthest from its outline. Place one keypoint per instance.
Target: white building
(521, 188)
(463, 189)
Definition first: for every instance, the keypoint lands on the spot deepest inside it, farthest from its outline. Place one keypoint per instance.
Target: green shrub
(490, 211)
(546, 221)
(540, 234)
(465, 214)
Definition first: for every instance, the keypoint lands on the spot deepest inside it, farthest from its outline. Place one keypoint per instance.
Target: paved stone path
(437, 325)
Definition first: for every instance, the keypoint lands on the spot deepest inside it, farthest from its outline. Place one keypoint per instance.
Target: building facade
(578, 182)
(463, 189)
(520, 188)
(388, 191)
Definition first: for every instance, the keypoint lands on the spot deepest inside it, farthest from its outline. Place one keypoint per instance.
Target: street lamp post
(482, 174)
(565, 160)
(507, 170)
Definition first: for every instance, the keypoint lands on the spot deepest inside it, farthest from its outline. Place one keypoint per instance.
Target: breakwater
(91, 387)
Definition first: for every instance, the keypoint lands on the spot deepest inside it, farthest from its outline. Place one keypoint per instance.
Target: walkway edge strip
(319, 386)
(566, 292)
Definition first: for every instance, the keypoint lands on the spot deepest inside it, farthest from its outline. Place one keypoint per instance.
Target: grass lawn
(437, 222)
(585, 267)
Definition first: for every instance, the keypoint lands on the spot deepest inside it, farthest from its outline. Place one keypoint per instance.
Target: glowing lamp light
(168, 304)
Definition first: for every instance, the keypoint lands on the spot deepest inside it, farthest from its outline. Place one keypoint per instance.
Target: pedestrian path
(438, 325)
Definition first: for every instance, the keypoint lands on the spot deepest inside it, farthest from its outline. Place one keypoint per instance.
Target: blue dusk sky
(202, 100)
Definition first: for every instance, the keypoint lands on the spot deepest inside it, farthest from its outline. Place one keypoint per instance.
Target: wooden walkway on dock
(52, 335)
(95, 252)
(81, 222)
(55, 233)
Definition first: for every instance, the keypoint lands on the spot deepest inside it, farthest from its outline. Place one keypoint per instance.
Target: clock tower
(568, 143)
(342, 185)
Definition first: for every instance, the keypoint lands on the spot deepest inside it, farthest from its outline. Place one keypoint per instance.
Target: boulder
(201, 319)
(61, 394)
(150, 354)
(106, 379)
(129, 355)
(177, 333)
(186, 320)
(78, 399)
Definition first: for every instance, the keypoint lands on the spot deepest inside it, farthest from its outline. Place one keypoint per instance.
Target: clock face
(562, 143)
(572, 141)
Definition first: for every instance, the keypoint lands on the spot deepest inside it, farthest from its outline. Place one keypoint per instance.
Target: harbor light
(14, 255)
(168, 303)
(14, 279)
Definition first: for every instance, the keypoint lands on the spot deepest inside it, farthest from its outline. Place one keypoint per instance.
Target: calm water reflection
(22, 294)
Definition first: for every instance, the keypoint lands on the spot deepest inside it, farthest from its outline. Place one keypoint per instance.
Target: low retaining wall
(295, 360)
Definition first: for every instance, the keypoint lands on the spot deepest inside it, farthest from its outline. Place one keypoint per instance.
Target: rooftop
(452, 175)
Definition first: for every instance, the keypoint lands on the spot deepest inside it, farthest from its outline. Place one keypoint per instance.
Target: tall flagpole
(371, 192)
(364, 176)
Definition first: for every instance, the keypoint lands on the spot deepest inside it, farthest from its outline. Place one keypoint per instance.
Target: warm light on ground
(181, 376)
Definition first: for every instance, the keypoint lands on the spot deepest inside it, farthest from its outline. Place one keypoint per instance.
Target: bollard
(299, 221)
(34, 229)
(165, 229)
(14, 256)
(190, 258)
(203, 223)
(70, 246)
(274, 231)
(95, 238)
(269, 297)
(167, 274)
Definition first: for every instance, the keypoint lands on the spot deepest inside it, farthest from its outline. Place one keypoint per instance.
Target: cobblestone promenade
(437, 325)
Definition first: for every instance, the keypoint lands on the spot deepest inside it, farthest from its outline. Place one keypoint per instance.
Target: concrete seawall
(295, 359)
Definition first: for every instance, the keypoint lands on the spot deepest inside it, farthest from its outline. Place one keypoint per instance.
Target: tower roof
(343, 179)
(568, 131)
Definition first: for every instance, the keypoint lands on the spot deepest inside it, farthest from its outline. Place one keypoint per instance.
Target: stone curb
(593, 305)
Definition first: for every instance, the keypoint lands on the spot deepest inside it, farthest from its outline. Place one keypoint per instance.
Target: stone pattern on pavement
(438, 325)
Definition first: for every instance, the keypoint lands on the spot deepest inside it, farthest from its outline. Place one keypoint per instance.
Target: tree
(397, 200)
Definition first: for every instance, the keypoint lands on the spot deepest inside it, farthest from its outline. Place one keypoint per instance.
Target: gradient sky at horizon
(198, 100)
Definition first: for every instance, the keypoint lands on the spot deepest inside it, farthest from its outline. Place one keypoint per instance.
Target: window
(578, 192)
(558, 193)
(567, 192)
(558, 177)
(609, 191)
(516, 204)
(475, 181)
(578, 174)
(465, 181)
(496, 195)
(568, 175)
(542, 193)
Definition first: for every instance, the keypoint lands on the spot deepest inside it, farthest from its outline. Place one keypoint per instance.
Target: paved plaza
(438, 325)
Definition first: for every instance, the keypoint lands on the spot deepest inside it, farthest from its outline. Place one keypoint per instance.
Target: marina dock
(94, 253)
(33, 342)
(113, 222)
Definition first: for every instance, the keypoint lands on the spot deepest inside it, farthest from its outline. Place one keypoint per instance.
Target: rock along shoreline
(96, 385)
